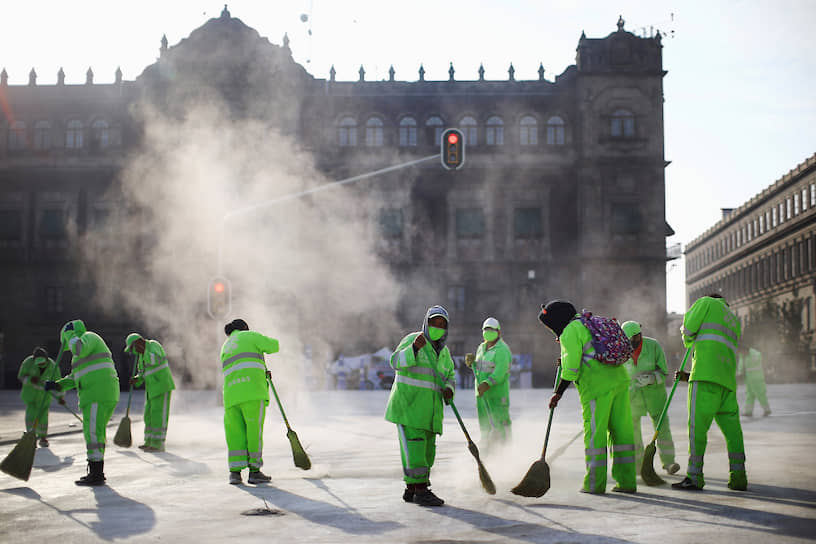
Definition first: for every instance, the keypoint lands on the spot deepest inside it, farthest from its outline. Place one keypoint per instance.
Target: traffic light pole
(286, 198)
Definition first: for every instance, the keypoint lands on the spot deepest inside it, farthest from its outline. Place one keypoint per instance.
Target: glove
(483, 387)
(681, 376)
(554, 400)
(61, 400)
(645, 378)
(469, 359)
(447, 395)
(268, 375)
(51, 386)
(35, 380)
(132, 380)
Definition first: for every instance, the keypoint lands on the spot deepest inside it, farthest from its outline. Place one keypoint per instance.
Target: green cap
(131, 338)
(631, 328)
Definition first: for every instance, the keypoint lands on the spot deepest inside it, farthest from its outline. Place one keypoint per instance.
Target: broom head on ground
(484, 477)
(123, 439)
(536, 482)
(19, 461)
(298, 453)
(647, 471)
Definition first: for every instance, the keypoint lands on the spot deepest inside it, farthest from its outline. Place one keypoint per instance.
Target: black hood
(556, 315)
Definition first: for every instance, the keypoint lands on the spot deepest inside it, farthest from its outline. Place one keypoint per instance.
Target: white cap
(491, 323)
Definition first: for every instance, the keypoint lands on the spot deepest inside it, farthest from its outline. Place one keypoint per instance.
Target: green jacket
(715, 331)
(416, 395)
(92, 371)
(493, 366)
(751, 365)
(242, 361)
(592, 378)
(153, 370)
(651, 365)
(34, 393)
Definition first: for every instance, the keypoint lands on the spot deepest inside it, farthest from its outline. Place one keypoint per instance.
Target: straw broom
(298, 453)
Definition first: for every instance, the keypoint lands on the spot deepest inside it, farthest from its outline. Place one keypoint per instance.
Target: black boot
(408, 494)
(425, 497)
(95, 476)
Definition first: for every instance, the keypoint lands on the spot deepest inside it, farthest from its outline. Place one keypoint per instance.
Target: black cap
(556, 314)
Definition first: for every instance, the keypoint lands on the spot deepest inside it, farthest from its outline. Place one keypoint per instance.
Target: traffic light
(453, 149)
(219, 298)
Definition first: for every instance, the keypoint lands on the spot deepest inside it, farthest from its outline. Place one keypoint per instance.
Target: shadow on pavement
(520, 530)
(175, 464)
(344, 518)
(44, 459)
(116, 516)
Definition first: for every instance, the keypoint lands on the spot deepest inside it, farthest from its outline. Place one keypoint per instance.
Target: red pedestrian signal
(219, 298)
(453, 149)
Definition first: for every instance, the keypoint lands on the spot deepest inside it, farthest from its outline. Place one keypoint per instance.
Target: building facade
(761, 258)
(562, 193)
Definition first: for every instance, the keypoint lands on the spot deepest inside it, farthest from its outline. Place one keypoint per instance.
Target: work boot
(738, 482)
(258, 477)
(686, 485)
(747, 414)
(425, 497)
(767, 413)
(43, 442)
(143, 446)
(95, 476)
(408, 494)
(671, 468)
(235, 478)
(619, 489)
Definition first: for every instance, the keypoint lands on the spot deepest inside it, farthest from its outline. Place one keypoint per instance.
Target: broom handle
(552, 410)
(272, 385)
(668, 400)
(461, 423)
(48, 402)
(66, 407)
(132, 375)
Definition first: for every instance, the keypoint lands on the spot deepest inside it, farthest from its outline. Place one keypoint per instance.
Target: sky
(739, 103)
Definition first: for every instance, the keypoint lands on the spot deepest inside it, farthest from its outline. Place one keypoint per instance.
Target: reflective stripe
(416, 369)
(590, 465)
(100, 366)
(241, 366)
(492, 380)
(734, 467)
(237, 453)
(415, 382)
(717, 338)
(154, 370)
(695, 459)
(722, 328)
(692, 469)
(245, 355)
(687, 332)
(416, 472)
(96, 446)
(403, 444)
(402, 358)
(624, 447)
(595, 451)
(237, 464)
(692, 419)
(736, 456)
(484, 366)
(595, 463)
(95, 357)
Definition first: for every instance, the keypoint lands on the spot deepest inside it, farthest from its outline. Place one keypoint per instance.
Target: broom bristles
(487, 482)
(536, 482)
(298, 453)
(20, 459)
(123, 437)
(647, 471)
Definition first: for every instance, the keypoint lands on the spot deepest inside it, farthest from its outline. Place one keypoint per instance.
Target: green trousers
(609, 417)
(649, 400)
(34, 409)
(243, 425)
(418, 452)
(95, 419)
(494, 418)
(708, 402)
(156, 415)
(755, 390)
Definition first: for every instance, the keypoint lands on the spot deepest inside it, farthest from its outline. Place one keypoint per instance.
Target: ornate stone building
(762, 255)
(562, 193)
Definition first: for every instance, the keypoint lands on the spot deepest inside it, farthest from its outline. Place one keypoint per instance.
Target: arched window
(623, 124)
(494, 132)
(555, 131)
(470, 130)
(347, 132)
(528, 130)
(436, 124)
(100, 132)
(374, 132)
(407, 132)
(42, 135)
(73, 134)
(17, 135)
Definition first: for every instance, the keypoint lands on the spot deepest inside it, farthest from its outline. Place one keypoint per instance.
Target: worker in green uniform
(491, 369)
(94, 376)
(424, 380)
(35, 370)
(714, 331)
(647, 393)
(604, 393)
(750, 364)
(246, 396)
(152, 370)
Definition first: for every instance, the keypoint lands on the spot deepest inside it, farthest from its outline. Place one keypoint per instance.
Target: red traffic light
(218, 287)
(452, 150)
(453, 138)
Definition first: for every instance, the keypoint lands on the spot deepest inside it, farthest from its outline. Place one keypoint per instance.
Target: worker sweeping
(491, 369)
(714, 330)
(35, 370)
(424, 379)
(94, 376)
(246, 396)
(750, 364)
(152, 370)
(647, 393)
(604, 393)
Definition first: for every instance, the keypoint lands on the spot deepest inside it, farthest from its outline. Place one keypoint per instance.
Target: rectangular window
(11, 225)
(626, 219)
(391, 223)
(53, 225)
(54, 300)
(813, 195)
(773, 217)
(456, 298)
(494, 135)
(804, 200)
(781, 212)
(527, 223)
(788, 208)
(470, 223)
(761, 224)
(796, 204)
(407, 136)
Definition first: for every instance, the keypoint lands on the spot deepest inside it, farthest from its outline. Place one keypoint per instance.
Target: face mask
(490, 336)
(435, 334)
